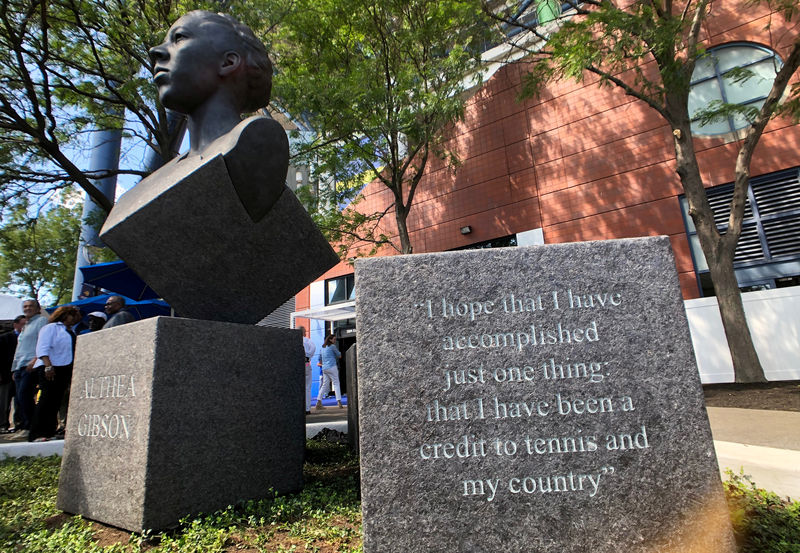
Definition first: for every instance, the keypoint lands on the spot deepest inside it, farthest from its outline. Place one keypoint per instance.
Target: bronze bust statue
(216, 231)
(213, 69)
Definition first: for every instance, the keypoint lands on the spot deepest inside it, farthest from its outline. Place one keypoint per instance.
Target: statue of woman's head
(205, 53)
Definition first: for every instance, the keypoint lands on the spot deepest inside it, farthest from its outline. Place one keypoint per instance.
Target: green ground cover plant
(324, 518)
(762, 521)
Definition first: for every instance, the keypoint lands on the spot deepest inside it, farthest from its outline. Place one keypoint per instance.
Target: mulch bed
(772, 396)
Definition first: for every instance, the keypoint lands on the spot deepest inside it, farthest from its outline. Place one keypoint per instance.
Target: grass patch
(324, 518)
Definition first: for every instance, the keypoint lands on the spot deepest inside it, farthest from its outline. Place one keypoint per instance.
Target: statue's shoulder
(261, 125)
(253, 132)
(257, 160)
(256, 156)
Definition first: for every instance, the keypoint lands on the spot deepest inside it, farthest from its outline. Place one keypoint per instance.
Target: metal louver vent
(281, 317)
(768, 251)
(780, 192)
(720, 200)
(749, 247)
(777, 197)
(783, 235)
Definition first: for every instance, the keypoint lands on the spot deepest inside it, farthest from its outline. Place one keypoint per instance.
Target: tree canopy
(376, 82)
(37, 257)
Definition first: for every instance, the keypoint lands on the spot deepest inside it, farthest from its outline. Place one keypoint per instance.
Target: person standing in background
(97, 320)
(117, 314)
(55, 351)
(330, 371)
(24, 359)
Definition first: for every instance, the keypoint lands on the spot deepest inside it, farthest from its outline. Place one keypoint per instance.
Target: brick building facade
(582, 162)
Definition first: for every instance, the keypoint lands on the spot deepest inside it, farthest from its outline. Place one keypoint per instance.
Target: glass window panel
(739, 121)
(715, 127)
(739, 92)
(766, 69)
(702, 94)
(761, 62)
(756, 86)
(704, 67)
(337, 290)
(736, 56)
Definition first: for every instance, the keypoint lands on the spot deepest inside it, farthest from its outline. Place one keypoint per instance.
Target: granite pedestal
(169, 417)
(543, 399)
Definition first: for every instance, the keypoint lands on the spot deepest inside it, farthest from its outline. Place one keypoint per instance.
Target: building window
(340, 289)
(528, 15)
(715, 80)
(768, 255)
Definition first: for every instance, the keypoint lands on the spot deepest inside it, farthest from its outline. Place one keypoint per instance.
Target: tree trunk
(400, 215)
(719, 254)
(746, 365)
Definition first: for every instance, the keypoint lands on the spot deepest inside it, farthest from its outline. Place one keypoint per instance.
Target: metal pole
(105, 157)
(176, 127)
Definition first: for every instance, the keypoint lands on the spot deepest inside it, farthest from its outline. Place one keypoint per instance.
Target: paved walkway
(764, 445)
(330, 416)
(779, 429)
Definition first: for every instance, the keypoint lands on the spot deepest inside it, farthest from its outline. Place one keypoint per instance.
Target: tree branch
(752, 136)
(629, 90)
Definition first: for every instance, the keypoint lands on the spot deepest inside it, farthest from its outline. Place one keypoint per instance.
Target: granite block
(190, 237)
(351, 361)
(170, 417)
(544, 399)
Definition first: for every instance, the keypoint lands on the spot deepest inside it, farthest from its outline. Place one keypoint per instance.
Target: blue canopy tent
(140, 309)
(117, 277)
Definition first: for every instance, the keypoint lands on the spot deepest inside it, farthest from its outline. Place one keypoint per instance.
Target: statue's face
(186, 66)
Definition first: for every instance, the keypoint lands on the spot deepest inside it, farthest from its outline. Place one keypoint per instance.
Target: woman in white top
(54, 352)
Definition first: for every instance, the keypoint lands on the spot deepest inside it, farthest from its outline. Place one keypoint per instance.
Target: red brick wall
(581, 162)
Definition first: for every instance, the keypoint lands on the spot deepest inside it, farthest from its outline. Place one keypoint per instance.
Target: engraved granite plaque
(543, 399)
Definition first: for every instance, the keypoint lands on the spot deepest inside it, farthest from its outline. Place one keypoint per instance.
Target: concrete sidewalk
(764, 445)
(777, 429)
(330, 416)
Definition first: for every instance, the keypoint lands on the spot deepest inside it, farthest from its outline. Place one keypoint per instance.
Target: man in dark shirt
(117, 314)
(8, 345)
